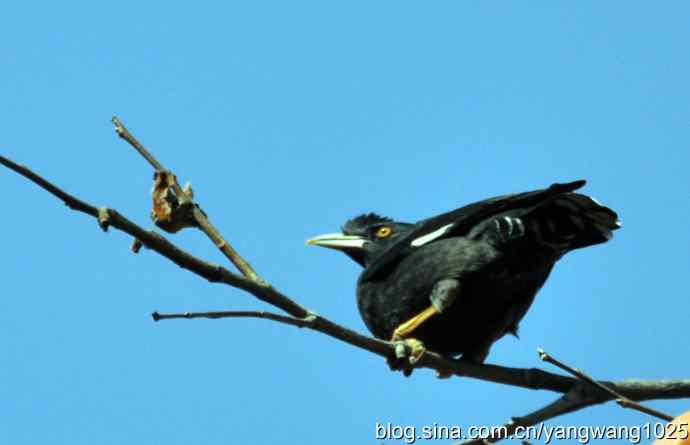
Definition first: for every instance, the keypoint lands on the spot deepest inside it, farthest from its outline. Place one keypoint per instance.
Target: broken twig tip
(119, 128)
(136, 245)
(156, 316)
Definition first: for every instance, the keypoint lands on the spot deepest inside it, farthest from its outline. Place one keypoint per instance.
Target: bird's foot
(405, 330)
(408, 352)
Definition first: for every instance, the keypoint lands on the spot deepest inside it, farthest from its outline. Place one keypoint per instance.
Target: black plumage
(480, 265)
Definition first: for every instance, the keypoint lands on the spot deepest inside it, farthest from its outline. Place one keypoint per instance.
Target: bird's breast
(495, 292)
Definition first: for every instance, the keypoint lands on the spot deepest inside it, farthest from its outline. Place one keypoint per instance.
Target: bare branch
(576, 395)
(526, 378)
(586, 393)
(583, 395)
(122, 131)
(69, 200)
(154, 241)
(299, 322)
(573, 400)
(199, 216)
(620, 399)
(225, 247)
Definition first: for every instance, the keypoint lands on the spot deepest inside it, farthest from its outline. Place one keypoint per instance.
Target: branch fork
(174, 209)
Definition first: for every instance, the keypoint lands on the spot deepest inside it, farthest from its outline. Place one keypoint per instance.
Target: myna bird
(457, 282)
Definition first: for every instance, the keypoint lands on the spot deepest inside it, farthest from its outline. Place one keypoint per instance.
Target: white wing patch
(429, 237)
(510, 224)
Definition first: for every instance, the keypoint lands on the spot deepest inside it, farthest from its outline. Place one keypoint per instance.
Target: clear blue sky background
(288, 118)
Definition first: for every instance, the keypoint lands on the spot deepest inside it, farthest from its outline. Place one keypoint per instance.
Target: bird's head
(363, 238)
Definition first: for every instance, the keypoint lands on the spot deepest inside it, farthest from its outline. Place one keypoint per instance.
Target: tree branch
(526, 378)
(292, 321)
(576, 395)
(214, 273)
(620, 399)
(573, 400)
(199, 216)
(122, 131)
(584, 395)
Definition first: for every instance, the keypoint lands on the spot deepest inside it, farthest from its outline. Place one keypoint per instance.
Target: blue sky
(289, 118)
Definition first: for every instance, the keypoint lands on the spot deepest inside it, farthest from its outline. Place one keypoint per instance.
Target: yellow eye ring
(383, 232)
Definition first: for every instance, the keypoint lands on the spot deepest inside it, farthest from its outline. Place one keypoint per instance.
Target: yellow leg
(404, 330)
(402, 334)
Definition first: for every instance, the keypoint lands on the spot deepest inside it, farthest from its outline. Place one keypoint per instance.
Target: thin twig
(214, 235)
(620, 399)
(69, 200)
(285, 319)
(573, 400)
(200, 217)
(525, 378)
(122, 131)
(154, 241)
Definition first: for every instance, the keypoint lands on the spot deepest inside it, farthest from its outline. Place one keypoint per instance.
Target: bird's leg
(442, 296)
(404, 330)
(400, 336)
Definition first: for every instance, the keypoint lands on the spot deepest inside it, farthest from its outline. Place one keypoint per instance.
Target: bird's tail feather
(572, 221)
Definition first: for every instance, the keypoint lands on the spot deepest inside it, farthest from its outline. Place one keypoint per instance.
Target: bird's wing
(458, 223)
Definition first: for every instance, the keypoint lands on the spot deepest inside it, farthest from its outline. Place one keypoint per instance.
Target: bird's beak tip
(337, 241)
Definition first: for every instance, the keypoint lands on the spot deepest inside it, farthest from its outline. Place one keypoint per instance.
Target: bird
(458, 282)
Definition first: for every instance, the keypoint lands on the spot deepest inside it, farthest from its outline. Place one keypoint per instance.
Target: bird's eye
(383, 232)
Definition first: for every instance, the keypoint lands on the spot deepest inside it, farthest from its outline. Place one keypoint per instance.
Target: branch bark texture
(574, 393)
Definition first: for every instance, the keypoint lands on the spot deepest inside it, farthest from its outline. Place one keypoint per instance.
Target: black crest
(358, 225)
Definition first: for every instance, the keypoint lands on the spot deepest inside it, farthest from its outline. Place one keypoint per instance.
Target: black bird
(457, 282)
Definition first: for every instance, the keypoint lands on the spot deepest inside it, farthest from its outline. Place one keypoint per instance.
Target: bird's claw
(408, 352)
